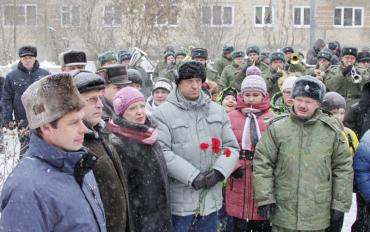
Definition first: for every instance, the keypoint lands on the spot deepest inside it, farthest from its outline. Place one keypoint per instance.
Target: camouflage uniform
(229, 74)
(277, 104)
(221, 63)
(241, 75)
(212, 75)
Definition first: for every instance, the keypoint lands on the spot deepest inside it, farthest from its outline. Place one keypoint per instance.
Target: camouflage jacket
(229, 74)
(240, 76)
(221, 63)
(277, 104)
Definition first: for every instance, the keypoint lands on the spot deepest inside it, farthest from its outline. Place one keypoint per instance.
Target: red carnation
(216, 150)
(227, 152)
(204, 146)
(216, 142)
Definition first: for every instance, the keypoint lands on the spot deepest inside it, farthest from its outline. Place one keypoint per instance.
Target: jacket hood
(318, 44)
(57, 157)
(176, 98)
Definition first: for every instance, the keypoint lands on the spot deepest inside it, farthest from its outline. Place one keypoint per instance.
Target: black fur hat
(86, 81)
(27, 51)
(199, 53)
(72, 57)
(191, 69)
(308, 86)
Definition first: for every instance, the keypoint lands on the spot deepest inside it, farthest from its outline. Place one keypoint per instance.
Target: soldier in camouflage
(231, 71)
(323, 66)
(364, 60)
(226, 58)
(201, 55)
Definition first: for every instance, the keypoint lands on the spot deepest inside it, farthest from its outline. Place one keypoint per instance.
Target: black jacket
(147, 180)
(16, 82)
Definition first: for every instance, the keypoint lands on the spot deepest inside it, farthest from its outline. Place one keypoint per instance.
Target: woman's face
(229, 103)
(135, 113)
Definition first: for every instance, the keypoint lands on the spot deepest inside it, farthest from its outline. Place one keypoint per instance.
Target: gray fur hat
(86, 81)
(50, 98)
(332, 101)
(308, 86)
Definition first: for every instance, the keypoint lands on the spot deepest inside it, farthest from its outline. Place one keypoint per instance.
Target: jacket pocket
(214, 124)
(180, 131)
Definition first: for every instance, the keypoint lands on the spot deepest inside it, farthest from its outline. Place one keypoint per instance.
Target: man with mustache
(302, 165)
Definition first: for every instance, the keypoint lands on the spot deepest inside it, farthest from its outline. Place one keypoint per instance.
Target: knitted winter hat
(162, 83)
(126, 97)
(253, 70)
(333, 100)
(254, 83)
(50, 98)
(288, 83)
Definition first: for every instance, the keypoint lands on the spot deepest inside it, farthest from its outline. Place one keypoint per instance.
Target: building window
(301, 16)
(71, 16)
(218, 15)
(20, 15)
(167, 17)
(348, 16)
(263, 16)
(112, 16)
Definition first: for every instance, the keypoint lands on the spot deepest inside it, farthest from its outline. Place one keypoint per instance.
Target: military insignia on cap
(307, 88)
(350, 50)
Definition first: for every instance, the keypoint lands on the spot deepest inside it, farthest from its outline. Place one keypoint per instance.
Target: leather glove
(346, 70)
(266, 211)
(199, 181)
(212, 178)
(336, 220)
(238, 173)
(275, 77)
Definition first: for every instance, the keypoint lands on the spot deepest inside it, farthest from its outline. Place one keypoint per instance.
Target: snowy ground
(350, 217)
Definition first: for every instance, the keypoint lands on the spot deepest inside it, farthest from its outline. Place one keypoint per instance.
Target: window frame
(353, 16)
(263, 16)
(173, 4)
(301, 24)
(70, 17)
(222, 15)
(114, 8)
(25, 15)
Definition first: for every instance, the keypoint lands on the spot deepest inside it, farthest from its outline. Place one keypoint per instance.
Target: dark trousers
(362, 219)
(241, 225)
(189, 223)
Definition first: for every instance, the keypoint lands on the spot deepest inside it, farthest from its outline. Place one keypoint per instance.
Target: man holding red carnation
(200, 150)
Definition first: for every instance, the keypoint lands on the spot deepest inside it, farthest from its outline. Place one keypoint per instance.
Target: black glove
(336, 221)
(238, 173)
(346, 70)
(212, 178)
(266, 211)
(199, 182)
(275, 77)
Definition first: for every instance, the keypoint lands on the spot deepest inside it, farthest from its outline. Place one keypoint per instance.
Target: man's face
(170, 60)
(160, 96)
(190, 88)
(125, 62)
(94, 106)
(201, 60)
(287, 97)
(364, 64)
(253, 56)
(348, 60)
(339, 114)
(227, 55)
(239, 60)
(277, 64)
(72, 67)
(323, 62)
(28, 62)
(109, 62)
(179, 59)
(135, 113)
(288, 55)
(305, 107)
(111, 90)
(69, 132)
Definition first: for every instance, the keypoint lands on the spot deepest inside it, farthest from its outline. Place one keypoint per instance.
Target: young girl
(248, 121)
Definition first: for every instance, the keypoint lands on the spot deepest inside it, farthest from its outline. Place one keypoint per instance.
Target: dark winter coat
(42, 194)
(111, 179)
(148, 188)
(16, 82)
(108, 111)
(2, 79)
(358, 116)
(361, 166)
(311, 57)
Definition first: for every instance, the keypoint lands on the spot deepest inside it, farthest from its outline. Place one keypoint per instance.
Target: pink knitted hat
(125, 97)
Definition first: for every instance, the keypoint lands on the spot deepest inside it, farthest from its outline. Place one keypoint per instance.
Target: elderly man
(188, 123)
(303, 167)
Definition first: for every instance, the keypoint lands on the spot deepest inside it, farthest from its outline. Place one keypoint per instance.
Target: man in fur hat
(302, 165)
(72, 60)
(53, 187)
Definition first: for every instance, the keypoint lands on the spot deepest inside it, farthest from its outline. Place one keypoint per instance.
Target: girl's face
(229, 103)
(252, 97)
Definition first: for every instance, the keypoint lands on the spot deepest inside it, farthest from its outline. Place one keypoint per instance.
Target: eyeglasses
(94, 100)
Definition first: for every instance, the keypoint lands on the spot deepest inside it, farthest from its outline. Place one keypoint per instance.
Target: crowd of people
(253, 141)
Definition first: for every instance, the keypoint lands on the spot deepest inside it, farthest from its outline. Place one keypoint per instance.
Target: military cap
(169, 53)
(135, 76)
(277, 56)
(169, 49)
(27, 51)
(86, 81)
(288, 49)
(106, 56)
(363, 56)
(308, 86)
(72, 57)
(349, 51)
(236, 54)
(180, 52)
(115, 74)
(324, 54)
(123, 55)
(199, 53)
(228, 48)
(254, 49)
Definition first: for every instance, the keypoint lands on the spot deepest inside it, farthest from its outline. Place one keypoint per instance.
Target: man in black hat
(288, 51)
(226, 58)
(72, 60)
(115, 76)
(124, 57)
(16, 82)
(322, 67)
(363, 58)
(334, 47)
(347, 79)
(201, 55)
(231, 71)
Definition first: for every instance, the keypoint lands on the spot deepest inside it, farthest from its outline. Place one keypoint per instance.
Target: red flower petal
(227, 152)
(216, 150)
(216, 142)
(204, 146)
